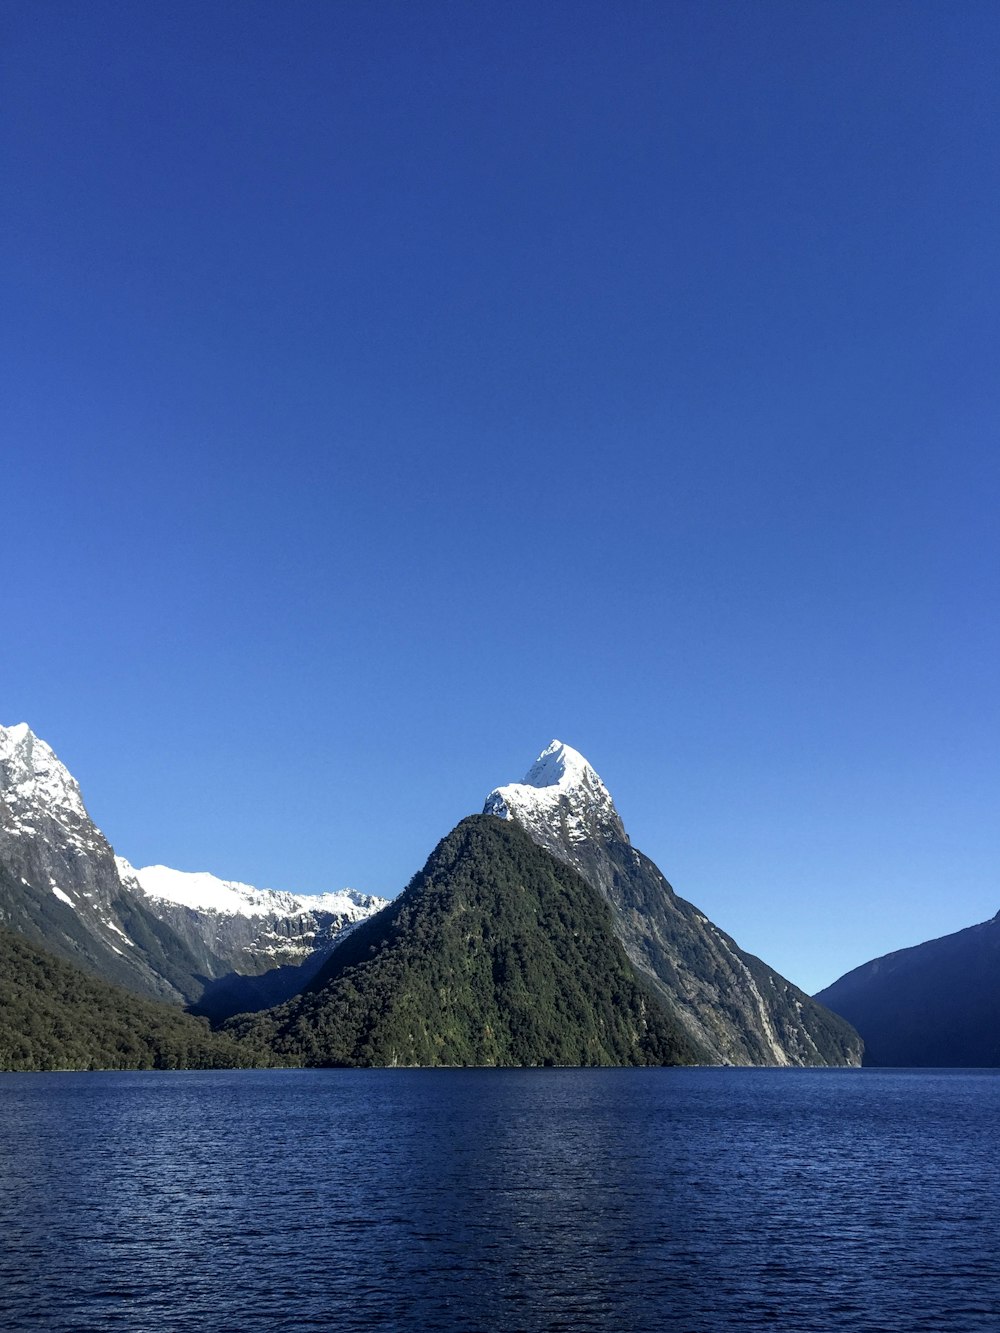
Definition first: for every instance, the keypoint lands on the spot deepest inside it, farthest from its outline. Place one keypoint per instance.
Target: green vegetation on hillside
(497, 954)
(55, 1016)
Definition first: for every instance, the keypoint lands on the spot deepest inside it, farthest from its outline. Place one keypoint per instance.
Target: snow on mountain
(735, 1008)
(32, 779)
(62, 888)
(196, 929)
(34, 782)
(559, 793)
(203, 892)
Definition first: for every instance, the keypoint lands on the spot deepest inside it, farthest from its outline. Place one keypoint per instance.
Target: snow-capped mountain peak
(561, 798)
(558, 765)
(32, 779)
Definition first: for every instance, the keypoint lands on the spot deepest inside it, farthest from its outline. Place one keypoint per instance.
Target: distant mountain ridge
(936, 1004)
(733, 1006)
(204, 892)
(256, 946)
(166, 934)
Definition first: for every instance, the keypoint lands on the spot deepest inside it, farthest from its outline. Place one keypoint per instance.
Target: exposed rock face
(936, 1004)
(734, 1007)
(160, 932)
(63, 892)
(255, 947)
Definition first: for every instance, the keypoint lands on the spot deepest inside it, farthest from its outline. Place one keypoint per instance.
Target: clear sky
(389, 388)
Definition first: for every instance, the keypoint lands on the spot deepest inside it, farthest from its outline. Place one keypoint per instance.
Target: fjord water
(700, 1200)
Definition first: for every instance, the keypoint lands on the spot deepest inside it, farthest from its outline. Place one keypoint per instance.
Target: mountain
(496, 954)
(734, 1007)
(935, 1004)
(63, 892)
(161, 933)
(54, 1015)
(255, 947)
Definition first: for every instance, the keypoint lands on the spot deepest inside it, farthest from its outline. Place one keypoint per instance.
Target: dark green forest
(496, 954)
(53, 1015)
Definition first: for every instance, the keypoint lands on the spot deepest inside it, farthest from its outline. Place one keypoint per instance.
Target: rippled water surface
(697, 1200)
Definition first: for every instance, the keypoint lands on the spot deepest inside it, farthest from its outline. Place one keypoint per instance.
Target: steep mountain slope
(496, 954)
(63, 892)
(161, 933)
(254, 947)
(56, 1016)
(733, 1006)
(936, 1004)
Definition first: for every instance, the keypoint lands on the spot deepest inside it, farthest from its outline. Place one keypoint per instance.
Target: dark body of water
(700, 1200)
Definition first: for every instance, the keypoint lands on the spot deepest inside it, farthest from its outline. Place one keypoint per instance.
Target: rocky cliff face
(63, 891)
(159, 932)
(733, 1006)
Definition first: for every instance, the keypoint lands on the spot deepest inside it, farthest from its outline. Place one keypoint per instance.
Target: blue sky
(391, 388)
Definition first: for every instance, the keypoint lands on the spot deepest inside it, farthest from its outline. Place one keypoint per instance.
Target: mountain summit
(733, 1007)
(61, 890)
(561, 801)
(163, 933)
(34, 784)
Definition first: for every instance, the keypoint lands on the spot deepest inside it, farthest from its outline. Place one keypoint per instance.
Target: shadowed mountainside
(935, 1004)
